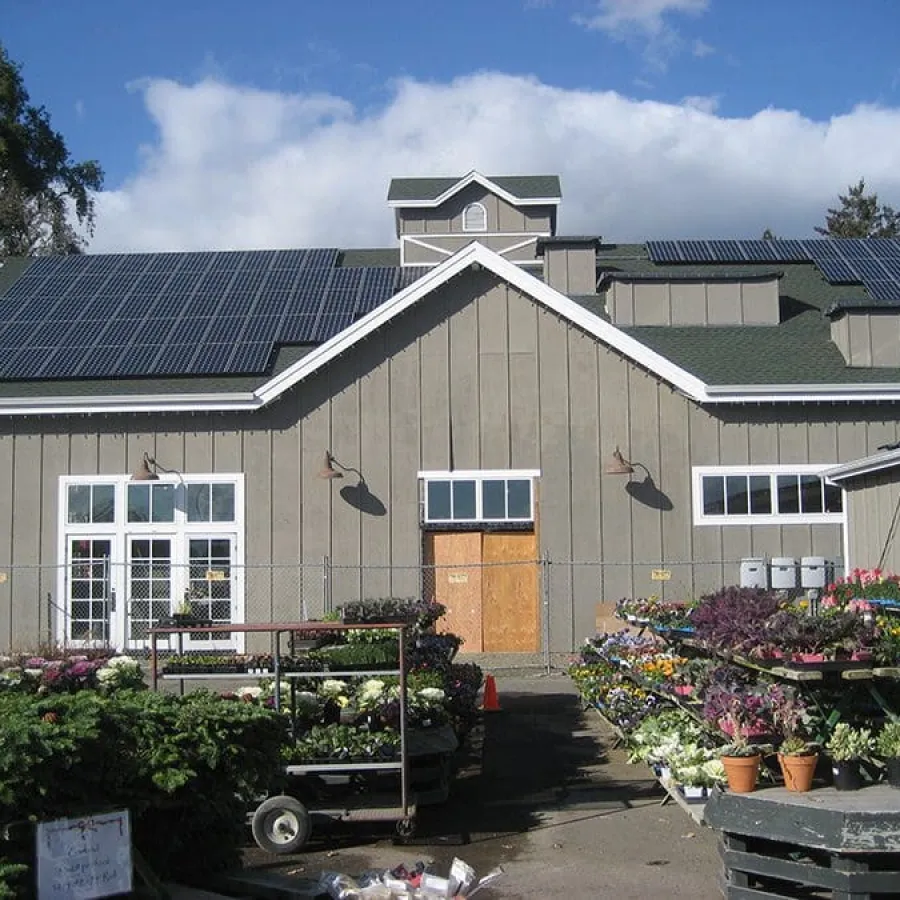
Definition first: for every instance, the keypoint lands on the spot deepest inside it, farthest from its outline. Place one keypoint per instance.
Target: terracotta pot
(798, 771)
(741, 772)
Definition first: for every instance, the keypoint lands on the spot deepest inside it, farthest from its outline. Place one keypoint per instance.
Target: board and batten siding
(867, 338)
(475, 376)
(872, 505)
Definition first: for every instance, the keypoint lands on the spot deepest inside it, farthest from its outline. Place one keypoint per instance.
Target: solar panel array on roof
(872, 262)
(176, 314)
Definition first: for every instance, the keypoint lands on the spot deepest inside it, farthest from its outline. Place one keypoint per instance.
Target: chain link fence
(539, 607)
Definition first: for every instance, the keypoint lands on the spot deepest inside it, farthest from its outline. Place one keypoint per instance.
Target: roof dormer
(435, 217)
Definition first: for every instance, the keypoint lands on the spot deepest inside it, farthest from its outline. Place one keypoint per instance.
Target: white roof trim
(473, 254)
(475, 177)
(887, 459)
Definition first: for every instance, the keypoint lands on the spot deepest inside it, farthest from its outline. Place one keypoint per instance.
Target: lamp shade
(144, 472)
(328, 470)
(618, 465)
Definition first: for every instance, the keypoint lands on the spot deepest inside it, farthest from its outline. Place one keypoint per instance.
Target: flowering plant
(852, 592)
(121, 672)
(887, 640)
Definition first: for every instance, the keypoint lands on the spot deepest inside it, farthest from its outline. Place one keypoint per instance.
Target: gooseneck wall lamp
(618, 465)
(144, 472)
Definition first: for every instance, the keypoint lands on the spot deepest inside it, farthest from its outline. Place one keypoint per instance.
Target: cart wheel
(281, 825)
(406, 828)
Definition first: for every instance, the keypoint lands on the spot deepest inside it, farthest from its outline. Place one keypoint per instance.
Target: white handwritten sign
(79, 859)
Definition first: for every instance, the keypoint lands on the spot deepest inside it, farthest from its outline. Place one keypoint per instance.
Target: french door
(118, 589)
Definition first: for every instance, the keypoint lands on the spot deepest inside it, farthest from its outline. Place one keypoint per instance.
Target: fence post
(545, 591)
(326, 585)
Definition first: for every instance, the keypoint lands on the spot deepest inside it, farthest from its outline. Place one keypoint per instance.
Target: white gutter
(877, 462)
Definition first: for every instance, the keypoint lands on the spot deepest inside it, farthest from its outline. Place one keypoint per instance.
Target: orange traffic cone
(490, 703)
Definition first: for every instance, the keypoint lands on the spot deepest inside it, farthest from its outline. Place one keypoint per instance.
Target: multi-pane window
(729, 495)
(468, 497)
(137, 551)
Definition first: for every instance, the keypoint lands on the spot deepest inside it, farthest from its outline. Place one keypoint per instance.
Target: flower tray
(828, 665)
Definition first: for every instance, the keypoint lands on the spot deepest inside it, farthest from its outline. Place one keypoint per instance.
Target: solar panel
(855, 248)
(727, 251)
(891, 265)
(885, 247)
(870, 270)
(759, 251)
(138, 359)
(837, 271)
(99, 362)
(663, 251)
(884, 290)
(824, 248)
(297, 329)
(212, 358)
(790, 251)
(260, 328)
(175, 358)
(409, 274)
(251, 357)
(696, 251)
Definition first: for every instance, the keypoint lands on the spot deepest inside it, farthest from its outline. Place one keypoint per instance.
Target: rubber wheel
(406, 828)
(281, 825)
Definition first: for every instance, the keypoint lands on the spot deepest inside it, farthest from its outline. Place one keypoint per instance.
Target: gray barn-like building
(470, 385)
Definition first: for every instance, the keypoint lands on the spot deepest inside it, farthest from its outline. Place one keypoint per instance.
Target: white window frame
(120, 531)
(700, 518)
(467, 226)
(479, 476)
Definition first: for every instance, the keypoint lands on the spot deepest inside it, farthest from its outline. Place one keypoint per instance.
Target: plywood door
(458, 586)
(510, 610)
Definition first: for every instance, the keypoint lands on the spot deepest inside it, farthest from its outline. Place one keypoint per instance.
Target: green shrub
(186, 767)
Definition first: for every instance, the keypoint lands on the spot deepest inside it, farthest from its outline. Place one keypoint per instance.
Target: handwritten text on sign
(79, 859)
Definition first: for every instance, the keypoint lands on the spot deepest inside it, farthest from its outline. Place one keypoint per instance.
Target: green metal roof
(797, 351)
(525, 187)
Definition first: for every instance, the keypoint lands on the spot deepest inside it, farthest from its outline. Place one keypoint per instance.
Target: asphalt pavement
(543, 792)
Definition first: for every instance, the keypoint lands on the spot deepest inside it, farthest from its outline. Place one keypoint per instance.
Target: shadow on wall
(647, 493)
(360, 497)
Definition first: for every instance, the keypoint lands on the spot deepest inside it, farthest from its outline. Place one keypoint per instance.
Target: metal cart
(282, 823)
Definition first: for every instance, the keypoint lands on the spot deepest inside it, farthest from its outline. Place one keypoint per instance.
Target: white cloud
(701, 49)
(703, 103)
(619, 17)
(644, 22)
(235, 167)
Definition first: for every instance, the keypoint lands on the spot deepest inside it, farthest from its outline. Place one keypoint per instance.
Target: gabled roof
(521, 190)
(662, 351)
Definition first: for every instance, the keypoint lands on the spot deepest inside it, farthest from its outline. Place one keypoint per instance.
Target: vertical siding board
(285, 506)
(763, 439)
(707, 541)
(493, 379)
(259, 606)
(55, 462)
(616, 525)
(315, 512)
(737, 540)
(9, 600)
(404, 457)
(463, 386)
(643, 400)
(198, 448)
(585, 482)
(524, 404)
(674, 482)
(26, 538)
(345, 445)
(556, 477)
(376, 429)
(434, 353)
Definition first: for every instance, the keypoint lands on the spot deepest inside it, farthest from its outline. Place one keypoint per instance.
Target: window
(756, 495)
(475, 217)
(133, 551)
(488, 497)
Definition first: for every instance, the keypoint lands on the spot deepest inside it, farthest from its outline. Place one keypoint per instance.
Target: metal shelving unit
(282, 823)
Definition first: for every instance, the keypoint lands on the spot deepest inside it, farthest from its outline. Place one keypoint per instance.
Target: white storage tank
(814, 572)
(784, 573)
(754, 573)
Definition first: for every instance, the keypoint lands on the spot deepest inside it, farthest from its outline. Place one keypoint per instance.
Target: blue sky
(222, 123)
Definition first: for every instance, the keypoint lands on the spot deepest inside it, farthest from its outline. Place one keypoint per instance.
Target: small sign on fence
(661, 574)
(458, 578)
(215, 575)
(79, 859)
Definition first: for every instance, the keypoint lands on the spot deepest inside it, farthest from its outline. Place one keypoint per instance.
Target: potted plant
(847, 747)
(887, 745)
(740, 758)
(797, 756)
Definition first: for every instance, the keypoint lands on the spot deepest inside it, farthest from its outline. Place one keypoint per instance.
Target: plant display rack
(282, 823)
(778, 845)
